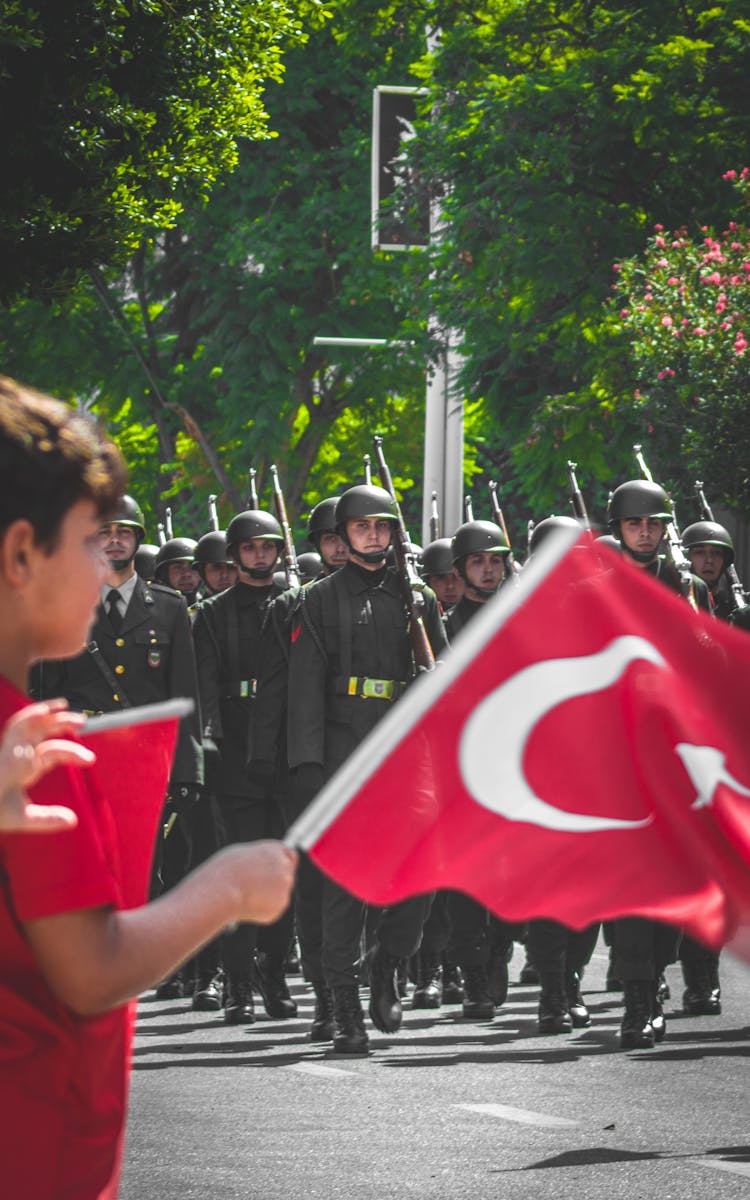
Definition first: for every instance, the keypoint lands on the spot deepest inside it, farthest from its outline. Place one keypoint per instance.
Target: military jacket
(349, 637)
(460, 615)
(150, 659)
(228, 634)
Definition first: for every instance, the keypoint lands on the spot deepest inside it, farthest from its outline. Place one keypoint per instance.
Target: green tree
(562, 132)
(117, 115)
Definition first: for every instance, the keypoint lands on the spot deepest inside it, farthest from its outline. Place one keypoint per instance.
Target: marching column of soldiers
(290, 663)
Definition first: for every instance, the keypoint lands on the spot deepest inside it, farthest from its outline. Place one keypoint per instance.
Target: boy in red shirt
(70, 958)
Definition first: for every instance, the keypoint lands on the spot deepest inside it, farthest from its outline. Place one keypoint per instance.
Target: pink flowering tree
(684, 309)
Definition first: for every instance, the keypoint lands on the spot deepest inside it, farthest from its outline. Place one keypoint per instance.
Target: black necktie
(113, 611)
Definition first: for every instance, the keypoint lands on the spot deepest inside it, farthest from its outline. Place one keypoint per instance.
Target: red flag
(134, 751)
(582, 754)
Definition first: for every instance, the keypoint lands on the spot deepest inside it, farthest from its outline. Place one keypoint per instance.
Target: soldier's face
(484, 570)
(707, 562)
(220, 576)
(119, 544)
(257, 558)
(183, 577)
(448, 588)
(333, 549)
(367, 535)
(642, 534)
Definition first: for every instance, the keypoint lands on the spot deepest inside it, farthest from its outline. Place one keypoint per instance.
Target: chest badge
(154, 658)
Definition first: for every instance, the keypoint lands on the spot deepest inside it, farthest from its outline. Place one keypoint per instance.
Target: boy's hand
(263, 873)
(31, 746)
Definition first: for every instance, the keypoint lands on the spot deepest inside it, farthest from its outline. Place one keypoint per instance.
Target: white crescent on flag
(494, 737)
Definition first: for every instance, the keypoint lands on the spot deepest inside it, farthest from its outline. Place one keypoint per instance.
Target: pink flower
(699, 331)
(624, 312)
(714, 278)
(662, 262)
(666, 320)
(658, 228)
(740, 345)
(729, 175)
(673, 280)
(659, 241)
(667, 373)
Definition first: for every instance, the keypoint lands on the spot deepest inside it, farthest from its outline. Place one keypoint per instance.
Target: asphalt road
(445, 1109)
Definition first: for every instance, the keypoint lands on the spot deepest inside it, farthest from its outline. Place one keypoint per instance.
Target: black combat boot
(385, 1001)
(658, 1020)
(349, 1035)
(208, 994)
(637, 1030)
(554, 1015)
(497, 973)
(429, 990)
(579, 1013)
(272, 985)
(453, 986)
(239, 1006)
(172, 988)
(321, 1029)
(528, 973)
(700, 998)
(478, 1003)
(612, 984)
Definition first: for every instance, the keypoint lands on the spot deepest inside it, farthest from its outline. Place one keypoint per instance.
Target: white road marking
(522, 1116)
(717, 1165)
(319, 1069)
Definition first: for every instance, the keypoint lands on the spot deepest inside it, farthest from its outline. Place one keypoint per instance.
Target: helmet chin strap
(371, 557)
(641, 556)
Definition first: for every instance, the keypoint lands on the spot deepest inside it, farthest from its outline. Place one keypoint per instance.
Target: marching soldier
(639, 511)
(174, 567)
(227, 630)
(350, 659)
(480, 942)
(212, 562)
(440, 574)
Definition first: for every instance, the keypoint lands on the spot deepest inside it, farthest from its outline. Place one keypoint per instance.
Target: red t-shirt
(63, 1078)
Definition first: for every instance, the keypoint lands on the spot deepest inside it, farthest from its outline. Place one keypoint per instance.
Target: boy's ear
(17, 551)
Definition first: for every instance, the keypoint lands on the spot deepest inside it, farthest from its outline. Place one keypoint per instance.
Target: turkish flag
(583, 753)
(134, 751)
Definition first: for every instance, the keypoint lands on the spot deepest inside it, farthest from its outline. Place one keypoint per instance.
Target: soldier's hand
(263, 874)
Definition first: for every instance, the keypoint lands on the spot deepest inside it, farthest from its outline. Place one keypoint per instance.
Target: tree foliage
(123, 113)
(562, 132)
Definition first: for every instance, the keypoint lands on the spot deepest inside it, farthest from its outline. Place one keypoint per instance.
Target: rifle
(434, 519)
(409, 580)
(576, 497)
(468, 509)
(213, 516)
(161, 534)
(252, 491)
(291, 566)
(168, 523)
(735, 582)
(368, 469)
(675, 553)
(511, 566)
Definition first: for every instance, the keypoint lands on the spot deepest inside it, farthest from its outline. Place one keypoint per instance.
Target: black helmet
(310, 565)
(174, 550)
(129, 512)
(365, 500)
(638, 498)
(322, 518)
(211, 548)
(544, 528)
(709, 533)
(253, 523)
(437, 558)
(145, 561)
(478, 537)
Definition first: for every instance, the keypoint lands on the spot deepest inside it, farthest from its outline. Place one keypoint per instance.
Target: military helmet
(310, 565)
(129, 512)
(437, 558)
(145, 561)
(638, 498)
(544, 528)
(322, 518)
(175, 550)
(253, 523)
(709, 533)
(365, 500)
(478, 537)
(211, 548)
